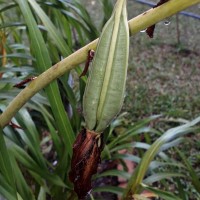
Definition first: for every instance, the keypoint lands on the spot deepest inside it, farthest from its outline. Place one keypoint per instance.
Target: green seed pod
(104, 92)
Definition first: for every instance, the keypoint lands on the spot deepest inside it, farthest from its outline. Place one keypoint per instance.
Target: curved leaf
(112, 189)
(43, 62)
(162, 194)
(114, 172)
(139, 173)
(159, 176)
(6, 169)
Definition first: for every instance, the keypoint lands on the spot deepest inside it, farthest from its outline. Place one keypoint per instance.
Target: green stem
(136, 24)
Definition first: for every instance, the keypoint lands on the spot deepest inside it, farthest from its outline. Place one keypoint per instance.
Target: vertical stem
(177, 29)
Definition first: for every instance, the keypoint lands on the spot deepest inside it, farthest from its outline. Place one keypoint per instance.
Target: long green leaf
(112, 189)
(139, 173)
(137, 128)
(114, 172)
(18, 55)
(193, 175)
(162, 194)
(159, 176)
(55, 138)
(43, 62)
(6, 194)
(58, 41)
(5, 165)
(126, 157)
(22, 187)
(22, 157)
(42, 194)
(52, 30)
(30, 136)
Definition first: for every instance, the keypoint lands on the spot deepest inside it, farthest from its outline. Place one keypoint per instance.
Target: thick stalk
(136, 24)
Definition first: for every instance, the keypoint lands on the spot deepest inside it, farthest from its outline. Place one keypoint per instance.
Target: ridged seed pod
(105, 87)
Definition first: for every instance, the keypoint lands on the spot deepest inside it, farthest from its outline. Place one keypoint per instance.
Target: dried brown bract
(150, 29)
(160, 3)
(89, 60)
(86, 157)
